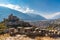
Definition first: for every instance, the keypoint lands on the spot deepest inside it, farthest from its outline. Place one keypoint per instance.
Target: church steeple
(10, 15)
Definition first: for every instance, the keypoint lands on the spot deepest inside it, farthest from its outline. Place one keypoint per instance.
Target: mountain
(56, 17)
(5, 12)
(36, 17)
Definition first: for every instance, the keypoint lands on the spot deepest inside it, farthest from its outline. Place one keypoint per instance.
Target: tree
(2, 26)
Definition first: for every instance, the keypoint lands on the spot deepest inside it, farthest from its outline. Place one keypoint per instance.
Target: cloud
(28, 10)
(18, 8)
(50, 16)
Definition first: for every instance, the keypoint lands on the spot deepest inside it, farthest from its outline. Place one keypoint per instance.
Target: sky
(46, 8)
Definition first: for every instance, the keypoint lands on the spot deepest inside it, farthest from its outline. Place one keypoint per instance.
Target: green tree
(2, 26)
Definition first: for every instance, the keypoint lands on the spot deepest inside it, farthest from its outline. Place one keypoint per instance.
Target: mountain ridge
(5, 12)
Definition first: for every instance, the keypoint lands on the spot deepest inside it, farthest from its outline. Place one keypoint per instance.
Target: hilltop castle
(14, 21)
